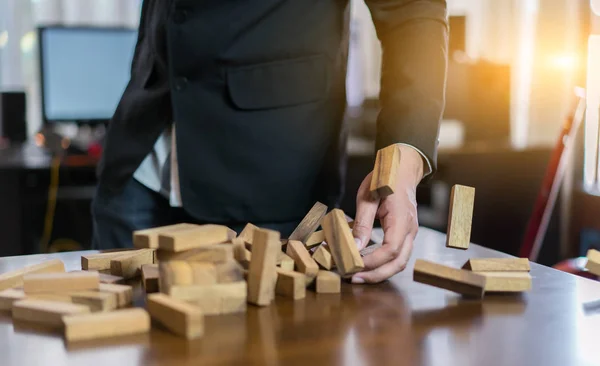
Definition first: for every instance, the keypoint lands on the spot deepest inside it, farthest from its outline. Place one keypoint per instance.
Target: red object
(575, 266)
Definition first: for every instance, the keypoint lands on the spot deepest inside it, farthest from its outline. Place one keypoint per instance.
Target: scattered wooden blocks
(96, 300)
(229, 272)
(385, 172)
(315, 239)
(328, 282)
(148, 238)
(178, 316)
(247, 234)
(215, 253)
(222, 298)
(460, 217)
(507, 281)
(304, 262)
(341, 243)
(593, 262)
(15, 278)
(203, 235)
(497, 265)
(130, 265)
(10, 296)
(101, 261)
(124, 293)
(457, 280)
(60, 282)
(291, 284)
(106, 325)
(150, 278)
(45, 312)
(182, 273)
(262, 271)
(285, 262)
(309, 223)
(323, 257)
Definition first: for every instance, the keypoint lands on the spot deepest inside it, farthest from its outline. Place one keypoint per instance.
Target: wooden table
(399, 322)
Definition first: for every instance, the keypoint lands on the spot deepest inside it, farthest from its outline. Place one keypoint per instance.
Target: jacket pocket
(278, 84)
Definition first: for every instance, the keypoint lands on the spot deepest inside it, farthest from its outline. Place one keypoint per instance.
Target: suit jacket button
(180, 16)
(180, 83)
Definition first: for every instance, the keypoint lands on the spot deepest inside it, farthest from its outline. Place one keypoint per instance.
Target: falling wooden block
(174, 273)
(124, 293)
(10, 296)
(101, 261)
(45, 312)
(285, 262)
(290, 284)
(497, 265)
(341, 243)
(215, 253)
(315, 239)
(106, 325)
(247, 234)
(178, 316)
(228, 272)
(262, 272)
(328, 282)
(200, 236)
(148, 238)
(96, 300)
(60, 282)
(593, 262)
(130, 265)
(458, 280)
(309, 223)
(150, 278)
(506, 281)
(240, 253)
(304, 262)
(104, 278)
(222, 298)
(385, 172)
(460, 217)
(15, 278)
(323, 257)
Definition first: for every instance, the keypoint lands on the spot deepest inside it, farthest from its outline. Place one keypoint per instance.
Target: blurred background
(510, 128)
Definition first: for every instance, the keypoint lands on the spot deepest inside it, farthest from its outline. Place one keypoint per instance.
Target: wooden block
(104, 278)
(10, 296)
(247, 235)
(229, 272)
(150, 278)
(106, 325)
(216, 253)
(124, 293)
(328, 282)
(15, 278)
(240, 253)
(96, 300)
(460, 217)
(497, 265)
(304, 262)
(174, 273)
(458, 280)
(148, 238)
(203, 273)
(341, 243)
(45, 312)
(291, 284)
(130, 265)
(285, 262)
(262, 272)
(506, 281)
(323, 257)
(60, 282)
(222, 298)
(200, 236)
(309, 223)
(101, 261)
(385, 171)
(593, 262)
(315, 239)
(178, 316)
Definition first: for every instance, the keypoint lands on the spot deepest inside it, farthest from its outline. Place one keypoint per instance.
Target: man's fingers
(366, 210)
(395, 232)
(390, 268)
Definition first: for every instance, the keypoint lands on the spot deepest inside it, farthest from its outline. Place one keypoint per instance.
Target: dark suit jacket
(257, 90)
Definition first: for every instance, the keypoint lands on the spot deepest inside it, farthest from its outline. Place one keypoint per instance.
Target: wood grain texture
(178, 316)
(229, 272)
(291, 284)
(460, 217)
(341, 243)
(200, 236)
(130, 265)
(497, 265)
(150, 278)
(304, 262)
(309, 223)
(507, 281)
(328, 282)
(385, 171)
(222, 298)
(285, 262)
(215, 253)
(45, 312)
(106, 325)
(457, 280)
(101, 261)
(60, 282)
(96, 300)
(148, 238)
(315, 239)
(323, 257)
(124, 293)
(263, 266)
(15, 278)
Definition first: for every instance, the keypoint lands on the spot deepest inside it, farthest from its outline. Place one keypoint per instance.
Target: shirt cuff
(427, 169)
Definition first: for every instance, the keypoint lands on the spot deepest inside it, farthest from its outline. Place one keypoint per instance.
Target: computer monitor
(84, 72)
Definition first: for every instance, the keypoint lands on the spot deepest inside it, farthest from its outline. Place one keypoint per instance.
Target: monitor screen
(84, 71)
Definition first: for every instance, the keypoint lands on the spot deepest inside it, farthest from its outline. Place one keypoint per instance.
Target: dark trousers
(117, 216)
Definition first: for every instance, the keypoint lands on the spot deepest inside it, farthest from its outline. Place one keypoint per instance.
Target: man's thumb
(366, 210)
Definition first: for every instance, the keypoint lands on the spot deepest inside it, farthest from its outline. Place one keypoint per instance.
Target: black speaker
(13, 121)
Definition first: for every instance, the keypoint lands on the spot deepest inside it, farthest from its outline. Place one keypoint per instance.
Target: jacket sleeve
(414, 40)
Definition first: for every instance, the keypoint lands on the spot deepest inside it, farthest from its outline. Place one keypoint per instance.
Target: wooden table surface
(399, 322)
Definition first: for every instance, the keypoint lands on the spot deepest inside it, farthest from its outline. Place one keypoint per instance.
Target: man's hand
(398, 216)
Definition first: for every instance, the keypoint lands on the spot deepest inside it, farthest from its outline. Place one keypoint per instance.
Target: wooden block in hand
(60, 282)
(178, 316)
(124, 293)
(45, 312)
(222, 298)
(106, 325)
(101, 261)
(304, 262)
(130, 265)
(96, 300)
(497, 265)
(247, 234)
(10, 296)
(148, 238)
(315, 239)
(285, 262)
(458, 280)
(460, 217)
(215, 253)
(229, 272)
(309, 223)
(323, 257)
(507, 281)
(328, 282)
(593, 262)
(290, 284)
(150, 278)
(200, 236)
(262, 272)
(15, 278)
(341, 243)
(385, 171)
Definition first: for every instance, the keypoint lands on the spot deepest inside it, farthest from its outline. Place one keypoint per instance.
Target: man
(233, 114)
